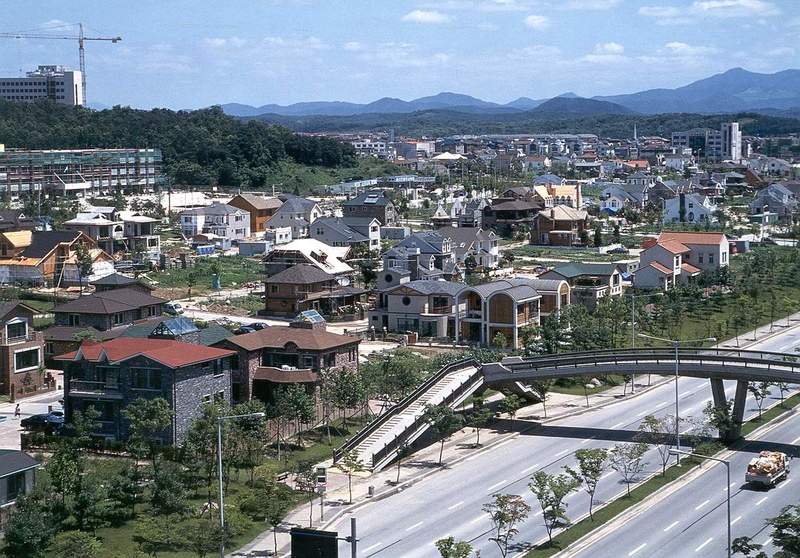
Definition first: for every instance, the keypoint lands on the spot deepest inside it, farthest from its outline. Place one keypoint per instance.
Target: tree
(74, 544)
(201, 535)
(403, 451)
(451, 548)
(786, 530)
(191, 281)
(148, 419)
(124, 491)
(444, 422)
(306, 481)
(500, 340)
(478, 418)
(760, 392)
(543, 387)
(626, 459)
(658, 432)
(744, 546)
(721, 418)
(120, 201)
(550, 491)
(348, 390)
(783, 387)
(84, 262)
(29, 529)
(350, 463)
(591, 464)
(510, 404)
(506, 512)
(598, 236)
(168, 494)
(157, 534)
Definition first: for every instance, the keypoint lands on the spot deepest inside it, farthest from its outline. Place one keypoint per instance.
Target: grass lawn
(609, 381)
(546, 253)
(236, 270)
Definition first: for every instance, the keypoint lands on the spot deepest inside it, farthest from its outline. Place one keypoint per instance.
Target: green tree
(550, 491)
(201, 535)
(786, 530)
(349, 391)
(506, 512)
(760, 391)
(721, 418)
(120, 201)
(451, 548)
(660, 433)
(157, 534)
(598, 236)
(84, 262)
(74, 544)
(443, 422)
(305, 480)
(591, 465)
(626, 459)
(510, 404)
(168, 494)
(350, 463)
(148, 419)
(478, 418)
(29, 529)
(500, 340)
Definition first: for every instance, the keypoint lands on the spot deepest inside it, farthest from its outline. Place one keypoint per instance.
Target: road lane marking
(559, 454)
(456, 505)
(735, 520)
(495, 485)
(376, 545)
(795, 440)
(702, 546)
(701, 505)
(607, 475)
(477, 519)
(637, 549)
(414, 526)
(501, 444)
(762, 500)
(616, 425)
(586, 441)
(670, 526)
(766, 542)
(784, 483)
(529, 469)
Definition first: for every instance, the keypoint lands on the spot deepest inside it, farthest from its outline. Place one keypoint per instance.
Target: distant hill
(578, 106)
(731, 91)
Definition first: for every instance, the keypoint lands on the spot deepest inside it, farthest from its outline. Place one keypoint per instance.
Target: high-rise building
(731, 141)
(706, 143)
(56, 83)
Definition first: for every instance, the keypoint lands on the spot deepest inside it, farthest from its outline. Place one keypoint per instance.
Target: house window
(711, 258)
(700, 258)
(16, 330)
(146, 378)
(406, 301)
(273, 288)
(15, 486)
(24, 360)
(219, 397)
(724, 258)
(308, 361)
(118, 318)
(74, 319)
(330, 360)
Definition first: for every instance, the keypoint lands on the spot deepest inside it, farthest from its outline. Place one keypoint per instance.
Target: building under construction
(79, 172)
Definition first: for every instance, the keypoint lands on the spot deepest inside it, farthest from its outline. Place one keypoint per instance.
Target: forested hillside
(199, 147)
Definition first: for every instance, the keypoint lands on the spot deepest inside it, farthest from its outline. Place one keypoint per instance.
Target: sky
(181, 54)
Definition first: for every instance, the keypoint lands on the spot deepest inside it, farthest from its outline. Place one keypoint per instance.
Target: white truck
(767, 469)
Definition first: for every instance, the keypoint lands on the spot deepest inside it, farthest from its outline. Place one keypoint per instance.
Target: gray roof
(428, 287)
(577, 269)
(516, 288)
(43, 242)
(338, 226)
(295, 204)
(300, 274)
(109, 302)
(15, 461)
(115, 279)
(428, 242)
(213, 209)
(378, 198)
(546, 284)
(259, 202)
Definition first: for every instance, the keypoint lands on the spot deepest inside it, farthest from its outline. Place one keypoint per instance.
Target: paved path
(36, 404)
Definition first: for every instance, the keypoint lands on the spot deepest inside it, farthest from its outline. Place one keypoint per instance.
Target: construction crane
(81, 38)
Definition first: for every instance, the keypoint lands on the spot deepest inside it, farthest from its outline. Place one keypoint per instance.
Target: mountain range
(735, 90)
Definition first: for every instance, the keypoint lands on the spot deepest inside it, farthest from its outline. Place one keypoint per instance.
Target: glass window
(145, 378)
(26, 359)
(15, 486)
(16, 330)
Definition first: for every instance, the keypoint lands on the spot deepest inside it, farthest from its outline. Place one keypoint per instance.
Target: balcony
(91, 387)
(28, 337)
(474, 314)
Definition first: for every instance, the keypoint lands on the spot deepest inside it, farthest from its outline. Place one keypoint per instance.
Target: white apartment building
(56, 83)
(731, 141)
(368, 146)
(725, 143)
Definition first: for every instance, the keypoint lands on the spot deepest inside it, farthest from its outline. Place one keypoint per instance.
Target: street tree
(660, 433)
(29, 529)
(510, 404)
(451, 548)
(148, 419)
(550, 491)
(760, 391)
(349, 391)
(543, 387)
(478, 418)
(444, 422)
(350, 463)
(786, 530)
(403, 451)
(783, 388)
(626, 459)
(305, 480)
(721, 418)
(506, 512)
(591, 465)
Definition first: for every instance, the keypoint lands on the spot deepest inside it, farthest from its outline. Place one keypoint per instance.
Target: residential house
(112, 374)
(589, 282)
(555, 294)
(425, 306)
(561, 192)
(295, 354)
(375, 204)
(104, 229)
(108, 309)
(442, 218)
(17, 478)
(307, 287)
(49, 258)
(119, 281)
(423, 255)
(689, 208)
(297, 213)
(15, 220)
(22, 371)
(218, 223)
(505, 217)
(141, 235)
(261, 209)
(335, 231)
(708, 251)
(559, 225)
(662, 266)
(178, 328)
(496, 311)
(472, 216)
(473, 246)
(329, 259)
(775, 198)
(615, 196)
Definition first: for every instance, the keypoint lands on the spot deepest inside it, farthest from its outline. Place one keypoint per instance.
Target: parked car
(244, 329)
(45, 422)
(173, 308)
(258, 326)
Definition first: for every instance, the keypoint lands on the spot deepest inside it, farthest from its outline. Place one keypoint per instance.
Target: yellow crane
(81, 38)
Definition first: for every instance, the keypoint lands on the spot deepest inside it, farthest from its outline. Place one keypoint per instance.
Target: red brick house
(22, 371)
(559, 226)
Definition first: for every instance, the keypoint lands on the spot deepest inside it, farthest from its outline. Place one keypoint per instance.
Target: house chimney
(552, 214)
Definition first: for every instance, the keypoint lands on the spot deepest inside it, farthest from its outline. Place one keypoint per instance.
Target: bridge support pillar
(718, 392)
(739, 401)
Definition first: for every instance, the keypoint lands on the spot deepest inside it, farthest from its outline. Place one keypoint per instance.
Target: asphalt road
(449, 502)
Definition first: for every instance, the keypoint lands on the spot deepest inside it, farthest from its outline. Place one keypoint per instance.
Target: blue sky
(182, 54)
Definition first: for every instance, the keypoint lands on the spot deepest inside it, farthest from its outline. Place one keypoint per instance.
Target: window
(219, 397)
(406, 301)
(145, 378)
(16, 330)
(273, 288)
(27, 359)
(118, 318)
(330, 360)
(74, 319)
(699, 258)
(388, 278)
(15, 486)
(711, 258)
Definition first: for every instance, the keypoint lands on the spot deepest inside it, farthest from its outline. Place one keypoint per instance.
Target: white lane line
(643, 413)
(607, 475)
(784, 483)
(702, 546)
(414, 526)
(762, 500)
(795, 440)
(501, 444)
(559, 454)
(495, 485)
(376, 545)
(766, 542)
(616, 425)
(529, 469)
(586, 441)
(736, 520)
(701, 505)
(477, 519)
(637, 549)
(456, 505)
(670, 526)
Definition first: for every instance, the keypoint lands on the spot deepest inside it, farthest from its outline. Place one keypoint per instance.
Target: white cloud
(591, 4)
(403, 55)
(609, 48)
(535, 52)
(781, 51)
(352, 46)
(222, 42)
(537, 21)
(733, 8)
(426, 17)
(682, 49)
(659, 11)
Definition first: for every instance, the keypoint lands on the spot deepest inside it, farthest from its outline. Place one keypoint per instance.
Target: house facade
(260, 209)
(220, 222)
(306, 287)
(473, 245)
(108, 309)
(373, 204)
(708, 251)
(589, 282)
(426, 307)
(22, 371)
(335, 231)
(297, 213)
(689, 208)
(559, 225)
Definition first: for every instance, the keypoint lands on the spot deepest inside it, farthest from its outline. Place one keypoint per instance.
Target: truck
(767, 469)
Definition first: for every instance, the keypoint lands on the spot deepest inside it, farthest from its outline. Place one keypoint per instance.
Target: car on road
(258, 326)
(244, 329)
(44, 422)
(173, 308)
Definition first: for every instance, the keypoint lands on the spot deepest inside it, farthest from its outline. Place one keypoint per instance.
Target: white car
(173, 308)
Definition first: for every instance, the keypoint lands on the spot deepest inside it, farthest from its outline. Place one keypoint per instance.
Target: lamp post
(727, 470)
(676, 343)
(220, 420)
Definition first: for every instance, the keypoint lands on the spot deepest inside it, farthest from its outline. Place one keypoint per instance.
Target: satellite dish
(343, 281)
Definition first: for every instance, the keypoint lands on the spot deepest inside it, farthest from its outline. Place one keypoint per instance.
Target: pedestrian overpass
(378, 443)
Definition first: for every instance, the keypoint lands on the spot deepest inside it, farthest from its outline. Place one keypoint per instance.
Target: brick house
(559, 225)
(306, 287)
(293, 354)
(22, 370)
(374, 204)
(260, 209)
(111, 374)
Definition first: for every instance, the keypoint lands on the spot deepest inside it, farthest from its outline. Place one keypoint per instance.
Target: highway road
(449, 502)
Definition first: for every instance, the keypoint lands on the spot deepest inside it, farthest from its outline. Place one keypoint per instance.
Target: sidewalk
(460, 447)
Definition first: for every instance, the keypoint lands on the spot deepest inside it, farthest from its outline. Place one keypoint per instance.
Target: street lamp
(676, 343)
(676, 453)
(220, 420)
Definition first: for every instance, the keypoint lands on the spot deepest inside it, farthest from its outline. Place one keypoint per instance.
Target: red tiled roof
(673, 246)
(661, 268)
(689, 268)
(709, 238)
(168, 352)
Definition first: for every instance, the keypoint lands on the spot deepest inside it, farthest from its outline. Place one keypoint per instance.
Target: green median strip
(614, 508)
